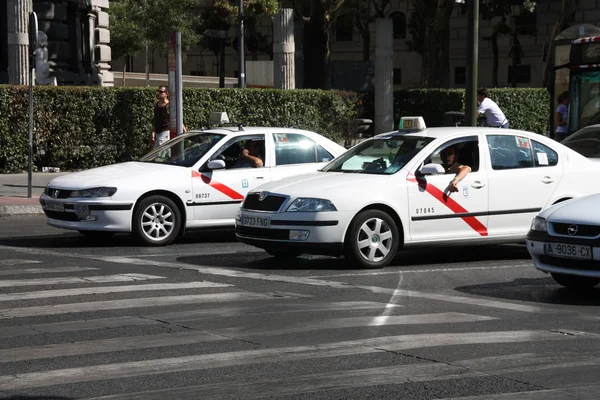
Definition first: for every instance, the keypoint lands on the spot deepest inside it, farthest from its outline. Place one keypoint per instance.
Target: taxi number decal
(202, 195)
(425, 210)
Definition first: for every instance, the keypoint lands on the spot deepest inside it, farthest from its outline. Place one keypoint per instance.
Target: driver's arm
(255, 161)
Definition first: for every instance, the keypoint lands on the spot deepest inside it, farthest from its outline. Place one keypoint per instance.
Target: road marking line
(106, 346)
(269, 355)
(108, 289)
(11, 262)
(57, 309)
(45, 270)
(71, 279)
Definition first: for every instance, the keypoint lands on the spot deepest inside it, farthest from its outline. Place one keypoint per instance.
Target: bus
(584, 83)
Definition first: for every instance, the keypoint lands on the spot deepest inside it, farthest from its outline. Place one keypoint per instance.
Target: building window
(522, 73)
(344, 28)
(397, 76)
(399, 22)
(460, 75)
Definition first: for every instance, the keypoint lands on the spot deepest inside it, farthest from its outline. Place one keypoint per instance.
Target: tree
(126, 33)
(364, 12)
(565, 19)
(429, 26)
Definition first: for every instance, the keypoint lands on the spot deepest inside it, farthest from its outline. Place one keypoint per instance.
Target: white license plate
(573, 251)
(261, 222)
(81, 210)
(55, 206)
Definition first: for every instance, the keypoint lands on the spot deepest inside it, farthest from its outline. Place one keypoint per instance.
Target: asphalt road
(210, 318)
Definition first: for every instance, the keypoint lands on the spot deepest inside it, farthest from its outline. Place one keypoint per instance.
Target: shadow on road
(539, 290)
(36, 398)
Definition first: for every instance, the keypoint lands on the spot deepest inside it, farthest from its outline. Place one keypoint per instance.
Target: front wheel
(575, 281)
(156, 221)
(372, 240)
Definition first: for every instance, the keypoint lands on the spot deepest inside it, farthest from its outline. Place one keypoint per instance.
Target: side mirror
(216, 164)
(432, 169)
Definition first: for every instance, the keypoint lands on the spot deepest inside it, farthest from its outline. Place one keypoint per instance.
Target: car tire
(372, 240)
(97, 234)
(282, 254)
(156, 221)
(575, 281)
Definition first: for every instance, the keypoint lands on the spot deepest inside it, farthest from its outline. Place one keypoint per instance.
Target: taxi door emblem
(466, 191)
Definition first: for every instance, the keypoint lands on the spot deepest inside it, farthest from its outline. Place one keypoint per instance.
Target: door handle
(259, 177)
(547, 179)
(477, 185)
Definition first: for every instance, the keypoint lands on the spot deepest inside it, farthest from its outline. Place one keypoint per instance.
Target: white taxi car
(391, 191)
(192, 181)
(564, 241)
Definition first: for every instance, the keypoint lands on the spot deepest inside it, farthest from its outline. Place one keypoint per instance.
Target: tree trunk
(124, 69)
(495, 53)
(436, 59)
(317, 47)
(565, 19)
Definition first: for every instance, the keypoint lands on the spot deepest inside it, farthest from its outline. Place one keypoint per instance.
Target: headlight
(311, 205)
(539, 224)
(95, 192)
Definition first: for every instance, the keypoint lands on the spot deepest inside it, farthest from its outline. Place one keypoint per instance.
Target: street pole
(242, 67)
(472, 63)
(32, 32)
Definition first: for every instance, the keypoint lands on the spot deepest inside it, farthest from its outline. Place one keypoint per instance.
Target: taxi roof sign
(217, 118)
(411, 123)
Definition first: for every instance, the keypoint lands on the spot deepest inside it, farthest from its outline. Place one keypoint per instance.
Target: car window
(383, 155)
(232, 151)
(468, 153)
(184, 151)
(510, 152)
(544, 155)
(295, 148)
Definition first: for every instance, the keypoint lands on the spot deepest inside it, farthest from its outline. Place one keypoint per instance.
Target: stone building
(78, 40)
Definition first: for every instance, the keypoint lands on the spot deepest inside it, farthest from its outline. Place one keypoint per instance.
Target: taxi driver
(452, 166)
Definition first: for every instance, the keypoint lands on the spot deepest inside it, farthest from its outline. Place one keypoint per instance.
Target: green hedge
(84, 127)
(525, 108)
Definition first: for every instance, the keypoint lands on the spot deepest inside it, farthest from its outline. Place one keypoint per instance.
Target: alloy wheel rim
(374, 239)
(158, 221)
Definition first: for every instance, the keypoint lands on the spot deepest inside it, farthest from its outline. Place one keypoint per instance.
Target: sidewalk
(13, 193)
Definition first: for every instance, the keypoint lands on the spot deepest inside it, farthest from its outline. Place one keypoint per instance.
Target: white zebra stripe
(45, 270)
(82, 280)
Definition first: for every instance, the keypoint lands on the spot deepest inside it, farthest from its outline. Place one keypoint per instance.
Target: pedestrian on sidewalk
(494, 117)
(561, 117)
(162, 118)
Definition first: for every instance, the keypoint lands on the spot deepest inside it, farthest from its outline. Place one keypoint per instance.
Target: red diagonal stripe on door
(226, 190)
(450, 203)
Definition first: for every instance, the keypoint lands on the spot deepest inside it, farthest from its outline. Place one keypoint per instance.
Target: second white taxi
(392, 191)
(195, 180)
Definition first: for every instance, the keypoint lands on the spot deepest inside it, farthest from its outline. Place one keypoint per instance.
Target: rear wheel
(372, 240)
(156, 221)
(575, 281)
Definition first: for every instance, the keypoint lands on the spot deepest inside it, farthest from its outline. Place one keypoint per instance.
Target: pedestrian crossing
(80, 332)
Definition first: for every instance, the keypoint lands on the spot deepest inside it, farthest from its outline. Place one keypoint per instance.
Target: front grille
(270, 203)
(593, 265)
(61, 194)
(263, 233)
(62, 216)
(582, 230)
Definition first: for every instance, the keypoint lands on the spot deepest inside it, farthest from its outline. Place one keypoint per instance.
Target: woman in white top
(561, 117)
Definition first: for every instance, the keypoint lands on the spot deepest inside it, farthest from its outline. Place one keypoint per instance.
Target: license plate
(261, 222)
(81, 210)
(55, 206)
(573, 251)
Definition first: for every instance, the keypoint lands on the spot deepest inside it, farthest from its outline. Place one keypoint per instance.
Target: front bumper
(103, 215)
(322, 233)
(536, 246)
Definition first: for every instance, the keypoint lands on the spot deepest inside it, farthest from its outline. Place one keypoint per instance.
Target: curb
(20, 210)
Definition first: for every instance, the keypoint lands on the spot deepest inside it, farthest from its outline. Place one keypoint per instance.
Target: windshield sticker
(281, 138)
(244, 183)
(542, 158)
(522, 142)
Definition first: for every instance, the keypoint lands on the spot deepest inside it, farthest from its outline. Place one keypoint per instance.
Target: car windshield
(384, 155)
(586, 142)
(184, 151)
